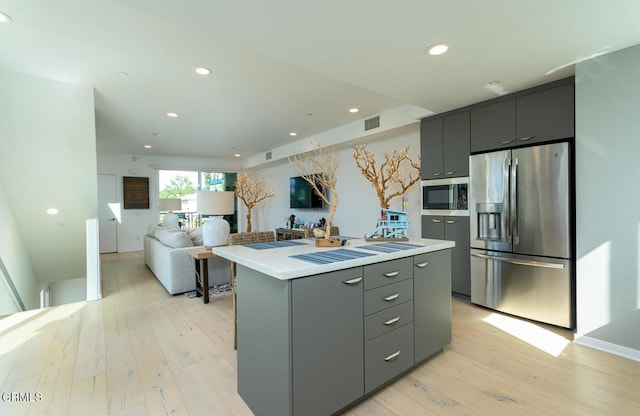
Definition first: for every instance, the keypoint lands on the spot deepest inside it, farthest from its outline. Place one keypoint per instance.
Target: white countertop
(278, 263)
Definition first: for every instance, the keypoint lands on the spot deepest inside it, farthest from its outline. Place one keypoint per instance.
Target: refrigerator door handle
(514, 202)
(506, 222)
(520, 262)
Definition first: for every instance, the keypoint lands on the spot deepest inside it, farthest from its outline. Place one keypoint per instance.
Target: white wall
(16, 260)
(48, 159)
(134, 221)
(608, 201)
(358, 207)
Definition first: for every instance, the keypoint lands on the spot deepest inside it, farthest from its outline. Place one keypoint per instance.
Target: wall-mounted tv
(302, 195)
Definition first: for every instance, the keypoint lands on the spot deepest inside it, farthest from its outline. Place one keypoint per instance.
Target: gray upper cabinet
(327, 347)
(444, 143)
(457, 131)
(546, 115)
(538, 115)
(431, 148)
(493, 126)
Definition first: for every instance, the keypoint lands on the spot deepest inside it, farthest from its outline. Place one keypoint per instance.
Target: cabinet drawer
(380, 274)
(387, 296)
(387, 356)
(387, 320)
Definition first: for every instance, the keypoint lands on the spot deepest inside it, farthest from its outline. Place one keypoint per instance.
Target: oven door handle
(520, 262)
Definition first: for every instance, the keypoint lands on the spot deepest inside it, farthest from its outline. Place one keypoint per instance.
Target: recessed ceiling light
(4, 18)
(437, 49)
(172, 114)
(293, 134)
(147, 146)
(201, 70)
(52, 211)
(354, 110)
(237, 155)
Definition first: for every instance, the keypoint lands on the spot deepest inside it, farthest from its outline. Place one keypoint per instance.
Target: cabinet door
(457, 229)
(456, 145)
(546, 115)
(327, 347)
(431, 135)
(493, 126)
(432, 305)
(433, 227)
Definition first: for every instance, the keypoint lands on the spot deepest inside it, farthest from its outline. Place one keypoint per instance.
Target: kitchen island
(319, 329)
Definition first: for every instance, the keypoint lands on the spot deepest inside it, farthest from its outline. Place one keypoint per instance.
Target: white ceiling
(293, 65)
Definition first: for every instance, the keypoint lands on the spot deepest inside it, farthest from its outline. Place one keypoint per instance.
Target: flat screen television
(302, 195)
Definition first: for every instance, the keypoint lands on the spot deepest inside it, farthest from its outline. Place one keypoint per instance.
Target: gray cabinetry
(537, 115)
(546, 115)
(444, 144)
(493, 126)
(453, 229)
(431, 148)
(327, 335)
(388, 310)
(432, 308)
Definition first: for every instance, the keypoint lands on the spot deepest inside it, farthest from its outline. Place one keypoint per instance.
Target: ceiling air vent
(372, 123)
(268, 156)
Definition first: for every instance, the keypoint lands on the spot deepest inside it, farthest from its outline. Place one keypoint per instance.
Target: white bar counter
(278, 263)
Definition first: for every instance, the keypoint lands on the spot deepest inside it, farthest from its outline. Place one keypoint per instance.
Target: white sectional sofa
(166, 253)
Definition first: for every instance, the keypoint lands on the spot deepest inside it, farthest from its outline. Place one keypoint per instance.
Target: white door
(108, 213)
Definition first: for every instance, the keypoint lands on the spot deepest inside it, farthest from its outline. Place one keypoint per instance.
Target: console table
(289, 234)
(201, 257)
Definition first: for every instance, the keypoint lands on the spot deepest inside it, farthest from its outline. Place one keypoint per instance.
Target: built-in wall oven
(445, 196)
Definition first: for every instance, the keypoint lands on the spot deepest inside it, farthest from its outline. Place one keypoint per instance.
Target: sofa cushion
(196, 236)
(173, 237)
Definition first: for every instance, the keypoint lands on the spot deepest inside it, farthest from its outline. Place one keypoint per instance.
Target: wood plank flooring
(140, 351)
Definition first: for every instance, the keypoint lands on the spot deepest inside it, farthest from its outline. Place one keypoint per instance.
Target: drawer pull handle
(450, 172)
(524, 139)
(353, 281)
(436, 221)
(507, 141)
(422, 265)
(392, 321)
(392, 274)
(392, 297)
(392, 356)
(437, 173)
(450, 221)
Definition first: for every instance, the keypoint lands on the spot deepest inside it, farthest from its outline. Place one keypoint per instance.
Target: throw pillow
(173, 237)
(196, 236)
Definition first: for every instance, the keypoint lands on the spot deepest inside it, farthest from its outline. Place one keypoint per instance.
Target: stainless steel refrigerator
(520, 223)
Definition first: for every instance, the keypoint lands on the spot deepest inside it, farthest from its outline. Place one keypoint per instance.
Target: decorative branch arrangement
(250, 192)
(320, 166)
(388, 174)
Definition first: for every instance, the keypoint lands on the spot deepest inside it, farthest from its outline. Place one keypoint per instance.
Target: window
(184, 184)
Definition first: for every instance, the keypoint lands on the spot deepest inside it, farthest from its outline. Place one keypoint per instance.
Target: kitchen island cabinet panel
(432, 308)
(327, 334)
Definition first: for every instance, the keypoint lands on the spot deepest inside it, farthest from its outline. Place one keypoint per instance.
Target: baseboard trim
(609, 347)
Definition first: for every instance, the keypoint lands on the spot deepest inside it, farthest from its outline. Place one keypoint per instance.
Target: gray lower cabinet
(315, 345)
(327, 339)
(432, 305)
(454, 228)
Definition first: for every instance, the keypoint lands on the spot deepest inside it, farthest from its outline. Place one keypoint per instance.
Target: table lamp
(215, 204)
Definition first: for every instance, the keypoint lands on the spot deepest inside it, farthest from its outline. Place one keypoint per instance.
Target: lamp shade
(170, 204)
(215, 203)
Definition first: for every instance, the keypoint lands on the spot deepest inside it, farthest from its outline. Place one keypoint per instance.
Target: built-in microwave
(445, 196)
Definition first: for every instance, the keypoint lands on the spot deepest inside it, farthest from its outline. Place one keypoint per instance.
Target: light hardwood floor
(140, 351)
